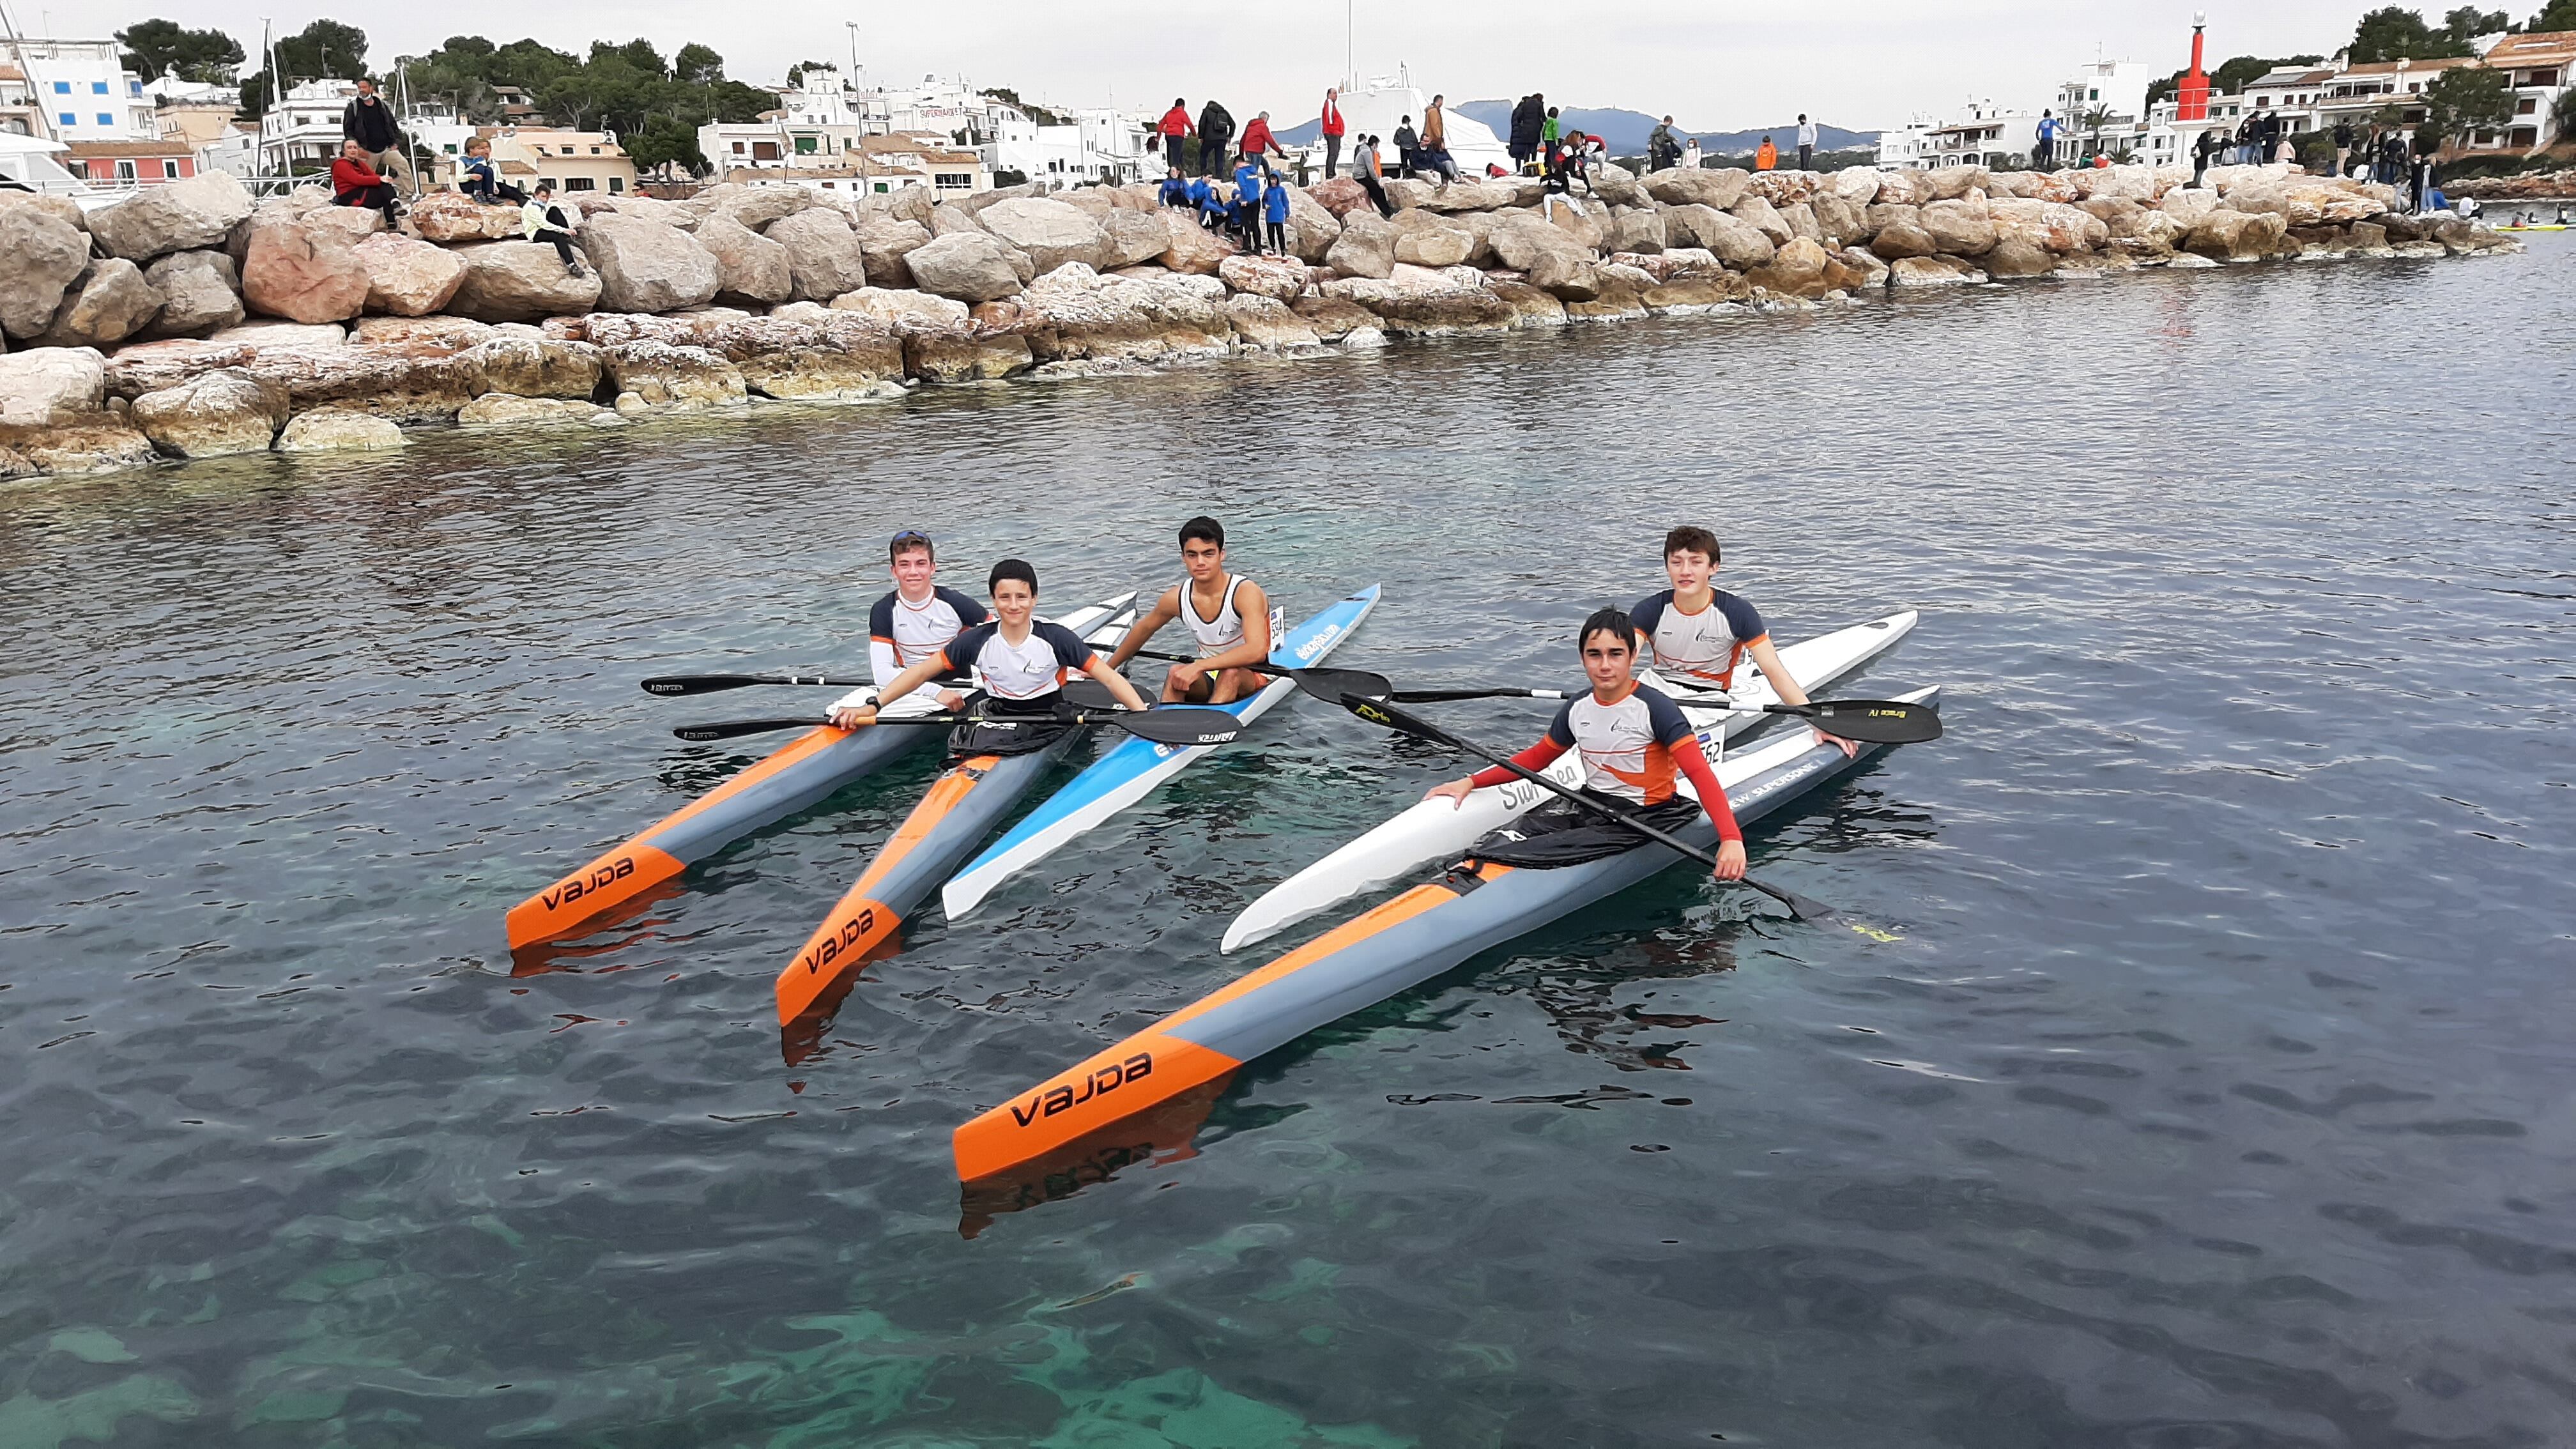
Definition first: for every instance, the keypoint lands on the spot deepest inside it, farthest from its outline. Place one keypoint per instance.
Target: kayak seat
(1560, 834)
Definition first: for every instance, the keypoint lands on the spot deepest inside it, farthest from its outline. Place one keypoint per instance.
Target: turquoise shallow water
(2216, 1094)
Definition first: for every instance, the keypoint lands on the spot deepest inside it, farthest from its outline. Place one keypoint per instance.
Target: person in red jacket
(1258, 142)
(1174, 127)
(355, 183)
(1332, 129)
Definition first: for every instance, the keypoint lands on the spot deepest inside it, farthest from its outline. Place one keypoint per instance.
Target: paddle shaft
(1168, 726)
(1378, 713)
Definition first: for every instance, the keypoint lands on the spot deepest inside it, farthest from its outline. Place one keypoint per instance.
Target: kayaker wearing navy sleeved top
(1699, 631)
(913, 622)
(1024, 661)
(1634, 740)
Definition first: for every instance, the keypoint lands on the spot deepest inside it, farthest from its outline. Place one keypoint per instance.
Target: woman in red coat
(355, 183)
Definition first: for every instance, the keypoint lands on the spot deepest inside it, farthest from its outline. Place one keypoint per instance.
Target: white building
(823, 126)
(79, 90)
(300, 128)
(1907, 147)
(2116, 86)
(2538, 68)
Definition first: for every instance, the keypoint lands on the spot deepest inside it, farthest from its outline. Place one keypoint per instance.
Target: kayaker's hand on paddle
(952, 700)
(1455, 792)
(1850, 748)
(1730, 860)
(850, 719)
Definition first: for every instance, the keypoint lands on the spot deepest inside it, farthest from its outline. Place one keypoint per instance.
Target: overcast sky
(1863, 64)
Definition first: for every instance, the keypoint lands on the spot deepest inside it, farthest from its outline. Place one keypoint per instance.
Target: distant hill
(1626, 131)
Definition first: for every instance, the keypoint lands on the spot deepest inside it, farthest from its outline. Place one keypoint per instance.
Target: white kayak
(1133, 769)
(1435, 830)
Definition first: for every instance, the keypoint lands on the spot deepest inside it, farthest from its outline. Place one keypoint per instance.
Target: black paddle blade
(1088, 693)
(1339, 686)
(1178, 724)
(1870, 721)
(699, 683)
(728, 729)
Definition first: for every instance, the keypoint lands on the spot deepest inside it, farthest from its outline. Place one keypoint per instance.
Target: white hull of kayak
(1436, 830)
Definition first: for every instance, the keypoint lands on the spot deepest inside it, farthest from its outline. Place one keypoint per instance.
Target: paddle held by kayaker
(1634, 741)
(1025, 662)
(1701, 632)
(1227, 614)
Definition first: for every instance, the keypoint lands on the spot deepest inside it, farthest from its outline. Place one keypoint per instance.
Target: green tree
(2469, 22)
(2232, 74)
(2466, 99)
(697, 65)
(2562, 117)
(2557, 15)
(638, 56)
(324, 49)
(153, 47)
(796, 73)
(2396, 33)
(665, 142)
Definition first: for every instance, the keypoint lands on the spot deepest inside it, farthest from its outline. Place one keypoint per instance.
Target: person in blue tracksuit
(1247, 204)
(1176, 189)
(1210, 203)
(1274, 209)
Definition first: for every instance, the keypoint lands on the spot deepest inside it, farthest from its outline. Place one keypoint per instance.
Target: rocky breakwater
(188, 321)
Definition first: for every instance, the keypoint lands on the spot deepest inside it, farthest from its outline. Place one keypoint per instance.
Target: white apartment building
(821, 127)
(2537, 67)
(75, 90)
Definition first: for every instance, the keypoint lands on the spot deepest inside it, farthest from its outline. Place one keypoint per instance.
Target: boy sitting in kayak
(1701, 633)
(1633, 738)
(912, 623)
(1228, 615)
(1025, 661)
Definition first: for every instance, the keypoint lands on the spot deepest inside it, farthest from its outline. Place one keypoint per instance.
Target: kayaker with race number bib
(1699, 632)
(1634, 740)
(912, 623)
(1024, 661)
(1228, 615)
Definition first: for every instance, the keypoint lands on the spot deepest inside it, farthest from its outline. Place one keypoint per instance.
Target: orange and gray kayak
(1477, 906)
(816, 764)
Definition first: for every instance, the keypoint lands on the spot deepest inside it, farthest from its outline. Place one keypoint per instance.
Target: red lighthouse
(2191, 99)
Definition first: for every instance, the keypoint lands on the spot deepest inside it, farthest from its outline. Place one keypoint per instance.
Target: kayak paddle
(1168, 725)
(1868, 721)
(1379, 712)
(675, 684)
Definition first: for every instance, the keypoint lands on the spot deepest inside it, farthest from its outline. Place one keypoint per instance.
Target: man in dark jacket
(1216, 133)
(369, 122)
(1525, 123)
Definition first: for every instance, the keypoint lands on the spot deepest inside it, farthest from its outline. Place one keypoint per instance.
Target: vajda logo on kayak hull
(573, 888)
(852, 932)
(1099, 1083)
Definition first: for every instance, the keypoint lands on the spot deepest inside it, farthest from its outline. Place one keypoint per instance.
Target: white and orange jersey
(1706, 645)
(1627, 744)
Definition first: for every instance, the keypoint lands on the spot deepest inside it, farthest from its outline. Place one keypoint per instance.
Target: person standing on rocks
(542, 220)
(1524, 139)
(1371, 175)
(1274, 211)
(1806, 143)
(1175, 128)
(1258, 142)
(1435, 142)
(2201, 150)
(1766, 157)
(367, 121)
(1247, 204)
(355, 183)
(1690, 154)
(1216, 134)
(1332, 128)
(1408, 147)
(1661, 150)
(2043, 152)
(1548, 133)
(2343, 149)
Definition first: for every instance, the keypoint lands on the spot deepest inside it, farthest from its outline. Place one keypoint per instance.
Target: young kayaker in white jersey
(1228, 616)
(912, 623)
(1024, 661)
(1695, 632)
(1634, 740)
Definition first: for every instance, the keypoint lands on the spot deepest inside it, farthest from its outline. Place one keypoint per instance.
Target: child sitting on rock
(477, 177)
(544, 221)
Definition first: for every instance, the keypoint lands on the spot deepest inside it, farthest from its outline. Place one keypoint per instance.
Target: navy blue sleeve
(1664, 717)
(1070, 651)
(959, 653)
(881, 620)
(1650, 612)
(1560, 730)
(969, 613)
(1741, 617)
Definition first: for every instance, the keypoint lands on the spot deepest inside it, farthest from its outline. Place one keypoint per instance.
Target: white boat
(1378, 106)
(28, 164)
(1435, 829)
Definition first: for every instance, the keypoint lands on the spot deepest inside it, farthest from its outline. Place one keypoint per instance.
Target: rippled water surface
(2217, 1092)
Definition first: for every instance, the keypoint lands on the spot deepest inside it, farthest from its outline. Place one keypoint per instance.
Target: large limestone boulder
(1637, 229)
(108, 303)
(1839, 222)
(645, 266)
(1466, 196)
(60, 208)
(1864, 267)
(520, 281)
(75, 444)
(1960, 228)
(1129, 238)
(2229, 235)
(450, 216)
(1856, 185)
(1530, 306)
(1800, 218)
(2018, 256)
(751, 270)
(948, 219)
(1266, 324)
(1193, 249)
(1901, 234)
(1730, 238)
(1366, 247)
(1953, 183)
(46, 255)
(220, 412)
(677, 215)
(970, 268)
(1282, 279)
(1312, 228)
(1904, 188)
(2049, 225)
(1341, 196)
(525, 366)
(682, 378)
(1915, 272)
(1797, 270)
(2137, 183)
(755, 208)
(265, 333)
(1520, 238)
(200, 293)
(823, 255)
(426, 334)
(965, 354)
(1567, 275)
(885, 240)
(328, 431)
(1426, 239)
(1052, 233)
(304, 273)
(48, 384)
(355, 223)
(174, 216)
(1585, 223)
(1074, 313)
(899, 308)
(1334, 318)
(408, 277)
(1420, 302)
(1717, 190)
(501, 409)
(1619, 186)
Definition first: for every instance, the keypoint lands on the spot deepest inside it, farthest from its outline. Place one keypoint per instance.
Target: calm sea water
(2217, 1092)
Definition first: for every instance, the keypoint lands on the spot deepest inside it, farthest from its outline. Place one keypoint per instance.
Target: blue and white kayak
(1135, 768)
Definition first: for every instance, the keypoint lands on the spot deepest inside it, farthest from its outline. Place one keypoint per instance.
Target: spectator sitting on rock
(1558, 180)
(1274, 210)
(366, 121)
(1176, 187)
(544, 221)
(1211, 203)
(1661, 148)
(477, 177)
(1371, 175)
(355, 183)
